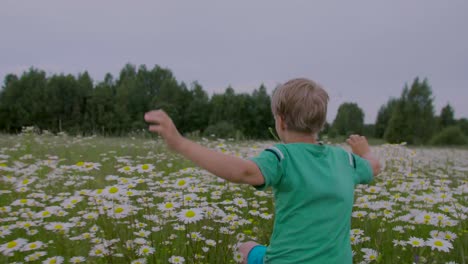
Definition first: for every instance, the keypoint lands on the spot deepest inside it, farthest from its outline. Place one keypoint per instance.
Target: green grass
(41, 172)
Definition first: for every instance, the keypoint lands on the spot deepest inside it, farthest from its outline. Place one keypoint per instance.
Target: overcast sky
(360, 51)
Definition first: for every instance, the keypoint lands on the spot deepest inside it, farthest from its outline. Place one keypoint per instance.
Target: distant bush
(223, 129)
(452, 135)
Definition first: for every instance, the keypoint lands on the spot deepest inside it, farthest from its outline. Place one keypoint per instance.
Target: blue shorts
(256, 255)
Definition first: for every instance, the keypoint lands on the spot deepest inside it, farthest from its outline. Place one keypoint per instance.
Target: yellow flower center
(23, 201)
(58, 226)
(146, 250)
(79, 164)
(53, 261)
(45, 213)
(416, 243)
(12, 244)
(119, 210)
(427, 217)
(145, 166)
(181, 183)
(33, 245)
(438, 243)
(26, 181)
(113, 189)
(190, 214)
(126, 168)
(169, 205)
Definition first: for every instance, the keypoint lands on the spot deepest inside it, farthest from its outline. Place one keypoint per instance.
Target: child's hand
(162, 124)
(359, 145)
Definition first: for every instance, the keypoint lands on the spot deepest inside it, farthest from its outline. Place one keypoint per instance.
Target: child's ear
(281, 123)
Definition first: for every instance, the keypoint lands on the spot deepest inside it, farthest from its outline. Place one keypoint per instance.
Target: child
(313, 184)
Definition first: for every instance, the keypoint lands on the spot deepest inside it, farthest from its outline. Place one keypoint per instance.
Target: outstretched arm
(360, 146)
(228, 167)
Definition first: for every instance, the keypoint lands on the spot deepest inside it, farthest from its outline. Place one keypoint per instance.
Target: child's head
(302, 105)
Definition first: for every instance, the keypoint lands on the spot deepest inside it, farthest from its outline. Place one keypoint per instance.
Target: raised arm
(360, 147)
(228, 167)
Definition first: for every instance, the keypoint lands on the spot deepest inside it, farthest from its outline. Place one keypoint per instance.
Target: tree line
(410, 118)
(115, 106)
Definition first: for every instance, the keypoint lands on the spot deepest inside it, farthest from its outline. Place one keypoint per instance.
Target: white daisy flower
(120, 211)
(181, 183)
(190, 197)
(168, 206)
(176, 260)
(142, 233)
(238, 257)
(98, 251)
(359, 214)
(266, 215)
(114, 192)
(139, 261)
(33, 246)
(126, 169)
(439, 244)
(190, 215)
(370, 254)
(146, 250)
(416, 242)
(240, 202)
(78, 259)
(59, 226)
(12, 246)
(145, 168)
(210, 242)
(53, 260)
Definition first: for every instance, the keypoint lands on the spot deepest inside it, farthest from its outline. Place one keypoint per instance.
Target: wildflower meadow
(129, 200)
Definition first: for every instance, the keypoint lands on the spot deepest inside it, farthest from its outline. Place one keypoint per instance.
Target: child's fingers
(154, 116)
(156, 129)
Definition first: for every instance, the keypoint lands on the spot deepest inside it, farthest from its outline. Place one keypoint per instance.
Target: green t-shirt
(313, 188)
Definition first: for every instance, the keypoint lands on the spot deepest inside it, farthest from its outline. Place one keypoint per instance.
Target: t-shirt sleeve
(270, 165)
(363, 170)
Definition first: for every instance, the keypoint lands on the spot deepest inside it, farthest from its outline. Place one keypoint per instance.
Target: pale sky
(360, 51)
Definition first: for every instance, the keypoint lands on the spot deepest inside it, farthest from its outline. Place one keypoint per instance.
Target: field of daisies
(128, 200)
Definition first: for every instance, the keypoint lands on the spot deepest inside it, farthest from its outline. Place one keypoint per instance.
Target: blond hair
(302, 104)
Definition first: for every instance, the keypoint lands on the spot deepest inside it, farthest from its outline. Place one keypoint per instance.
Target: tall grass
(122, 200)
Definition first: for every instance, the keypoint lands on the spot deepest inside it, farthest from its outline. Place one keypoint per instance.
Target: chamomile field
(129, 200)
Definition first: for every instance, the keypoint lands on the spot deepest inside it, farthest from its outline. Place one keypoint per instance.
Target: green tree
(348, 120)
(22, 100)
(101, 107)
(447, 116)
(383, 117)
(452, 135)
(463, 124)
(413, 118)
(260, 113)
(198, 110)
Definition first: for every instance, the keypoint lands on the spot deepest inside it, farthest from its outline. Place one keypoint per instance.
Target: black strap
(354, 161)
(274, 152)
